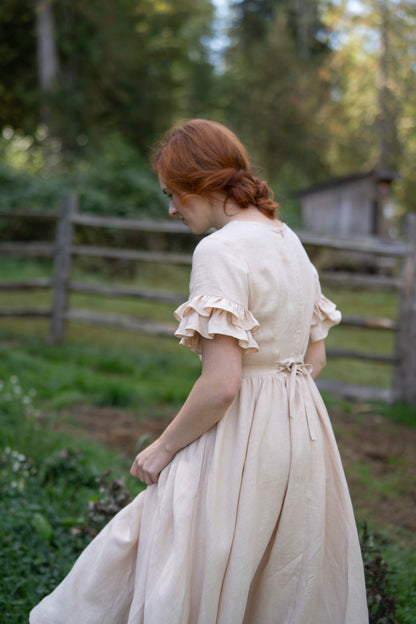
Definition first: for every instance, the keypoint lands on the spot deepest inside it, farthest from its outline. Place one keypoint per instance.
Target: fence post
(404, 374)
(62, 268)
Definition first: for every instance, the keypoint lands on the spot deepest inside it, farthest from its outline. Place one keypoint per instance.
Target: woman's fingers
(149, 463)
(141, 473)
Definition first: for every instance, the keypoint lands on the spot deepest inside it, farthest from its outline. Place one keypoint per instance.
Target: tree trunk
(383, 112)
(48, 69)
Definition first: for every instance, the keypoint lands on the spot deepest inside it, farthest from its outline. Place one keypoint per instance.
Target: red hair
(202, 157)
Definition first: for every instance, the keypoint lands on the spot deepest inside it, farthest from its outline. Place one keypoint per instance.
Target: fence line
(403, 359)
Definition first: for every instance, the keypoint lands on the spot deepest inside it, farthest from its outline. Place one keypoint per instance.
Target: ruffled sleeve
(325, 315)
(204, 316)
(219, 296)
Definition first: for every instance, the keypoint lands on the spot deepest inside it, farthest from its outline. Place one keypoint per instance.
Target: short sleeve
(218, 300)
(325, 315)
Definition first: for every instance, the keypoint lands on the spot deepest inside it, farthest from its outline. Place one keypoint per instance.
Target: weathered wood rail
(63, 250)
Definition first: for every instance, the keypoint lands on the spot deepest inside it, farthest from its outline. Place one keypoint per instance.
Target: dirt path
(379, 456)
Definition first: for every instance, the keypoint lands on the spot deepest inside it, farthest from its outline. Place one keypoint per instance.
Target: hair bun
(203, 157)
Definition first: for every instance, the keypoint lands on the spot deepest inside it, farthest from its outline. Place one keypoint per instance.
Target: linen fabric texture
(252, 523)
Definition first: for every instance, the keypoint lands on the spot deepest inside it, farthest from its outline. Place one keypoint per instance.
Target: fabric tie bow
(295, 368)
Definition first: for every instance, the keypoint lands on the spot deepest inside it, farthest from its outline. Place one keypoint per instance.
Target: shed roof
(378, 175)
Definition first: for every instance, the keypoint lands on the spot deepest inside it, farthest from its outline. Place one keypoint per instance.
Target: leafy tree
(373, 79)
(128, 65)
(275, 87)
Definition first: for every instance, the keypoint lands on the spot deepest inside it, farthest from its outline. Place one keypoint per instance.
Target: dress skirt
(250, 524)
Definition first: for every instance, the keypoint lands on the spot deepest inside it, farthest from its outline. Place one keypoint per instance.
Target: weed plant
(47, 485)
(381, 591)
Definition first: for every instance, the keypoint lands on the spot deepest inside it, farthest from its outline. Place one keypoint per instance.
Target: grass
(100, 375)
(398, 555)
(361, 303)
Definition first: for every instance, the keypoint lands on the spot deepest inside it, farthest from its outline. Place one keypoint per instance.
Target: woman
(247, 517)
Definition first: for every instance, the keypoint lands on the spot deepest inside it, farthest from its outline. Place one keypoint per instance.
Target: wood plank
(131, 254)
(135, 293)
(404, 375)
(361, 355)
(142, 225)
(369, 322)
(371, 245)
(27, 214)
(24, 312)
(359, 281)
(33, 284)
(26, 249)
(119, 321)
(351, 392)
(62, 268)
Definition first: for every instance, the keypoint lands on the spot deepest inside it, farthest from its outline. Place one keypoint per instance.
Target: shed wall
(343, 210)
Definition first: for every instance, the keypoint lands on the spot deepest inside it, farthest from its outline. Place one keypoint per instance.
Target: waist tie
(294, 368)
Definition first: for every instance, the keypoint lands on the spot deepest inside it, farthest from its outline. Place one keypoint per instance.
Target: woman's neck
(234, 212)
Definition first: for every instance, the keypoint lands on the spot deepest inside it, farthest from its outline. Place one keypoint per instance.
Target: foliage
(43, 512)
(314, 88)
(114, 497)
(45, 490)
(125, 65)
(372, 73)
(274, 104)
(381, 597)
(112, 180)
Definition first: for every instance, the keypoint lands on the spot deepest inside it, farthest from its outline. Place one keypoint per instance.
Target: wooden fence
(63, 250)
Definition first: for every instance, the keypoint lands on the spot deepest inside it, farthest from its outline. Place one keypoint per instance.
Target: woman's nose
(172, 210)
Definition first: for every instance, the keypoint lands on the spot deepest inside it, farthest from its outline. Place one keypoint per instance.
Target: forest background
(315, 88)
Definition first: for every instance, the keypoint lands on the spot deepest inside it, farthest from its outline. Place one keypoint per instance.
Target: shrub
(381, 598)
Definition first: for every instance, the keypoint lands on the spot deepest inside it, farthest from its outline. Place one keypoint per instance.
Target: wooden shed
(358, 204)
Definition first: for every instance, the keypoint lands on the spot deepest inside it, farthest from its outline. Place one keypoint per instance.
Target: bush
(48, 498)
(110, 179)
(381, 590)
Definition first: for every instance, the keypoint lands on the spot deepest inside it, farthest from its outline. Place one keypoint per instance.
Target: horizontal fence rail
(64, 249)
(26, 250)
(119, 321)
(130, 254)
(359, 282)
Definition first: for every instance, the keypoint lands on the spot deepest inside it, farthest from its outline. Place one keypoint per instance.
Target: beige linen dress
(251, 523)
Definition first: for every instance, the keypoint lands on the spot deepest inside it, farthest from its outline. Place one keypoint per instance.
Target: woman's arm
(209, 399)
(315, 355)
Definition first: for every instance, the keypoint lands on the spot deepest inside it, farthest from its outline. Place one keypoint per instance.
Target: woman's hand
(149, 463)
(209, 399)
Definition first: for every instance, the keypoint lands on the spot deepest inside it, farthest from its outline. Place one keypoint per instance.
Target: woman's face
(195, 212)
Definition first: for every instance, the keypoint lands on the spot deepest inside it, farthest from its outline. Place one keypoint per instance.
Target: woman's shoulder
(216, 242)
(243, 239)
